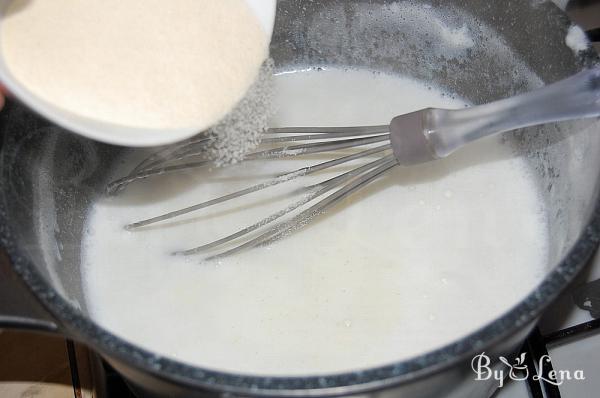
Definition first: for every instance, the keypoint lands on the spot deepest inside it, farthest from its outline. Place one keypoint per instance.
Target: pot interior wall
(480, 50)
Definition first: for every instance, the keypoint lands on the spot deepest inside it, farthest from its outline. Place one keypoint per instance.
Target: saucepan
(49, 178)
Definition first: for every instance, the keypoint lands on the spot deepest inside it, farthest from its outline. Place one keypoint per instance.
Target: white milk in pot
(417, 259)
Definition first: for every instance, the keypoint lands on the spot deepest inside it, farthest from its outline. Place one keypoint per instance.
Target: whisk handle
(572, 98)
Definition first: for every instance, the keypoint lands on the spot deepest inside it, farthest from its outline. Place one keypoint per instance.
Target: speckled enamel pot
(49, 178)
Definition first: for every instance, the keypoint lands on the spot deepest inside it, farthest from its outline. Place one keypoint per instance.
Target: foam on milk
(577, 39)
(417, 259)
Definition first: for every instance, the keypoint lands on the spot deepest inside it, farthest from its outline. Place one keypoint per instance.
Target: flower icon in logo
(519, 370)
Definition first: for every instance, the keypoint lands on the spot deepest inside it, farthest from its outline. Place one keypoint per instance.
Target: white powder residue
(576, 39)
(459, 38)
(157, 64)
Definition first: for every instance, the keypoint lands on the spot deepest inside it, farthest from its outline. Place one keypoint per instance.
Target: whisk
(409, 139)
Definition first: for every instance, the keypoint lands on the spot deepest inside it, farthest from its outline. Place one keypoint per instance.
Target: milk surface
(415, 260)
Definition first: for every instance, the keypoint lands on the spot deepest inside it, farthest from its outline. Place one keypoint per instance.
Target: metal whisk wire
(168, 160)
(325, 194)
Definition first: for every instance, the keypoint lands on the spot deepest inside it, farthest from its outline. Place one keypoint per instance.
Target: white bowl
(114, 133)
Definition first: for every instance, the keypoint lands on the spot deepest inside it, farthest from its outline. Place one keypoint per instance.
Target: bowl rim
(78, 326)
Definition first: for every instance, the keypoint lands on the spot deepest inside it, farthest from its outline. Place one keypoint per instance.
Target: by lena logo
(520, 371)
